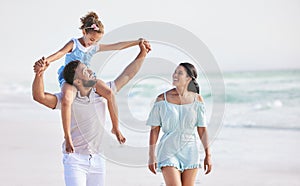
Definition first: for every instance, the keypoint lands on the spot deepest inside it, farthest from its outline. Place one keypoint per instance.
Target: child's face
(91, 38)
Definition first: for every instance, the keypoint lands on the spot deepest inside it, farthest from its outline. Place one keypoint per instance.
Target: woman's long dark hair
(192, 72)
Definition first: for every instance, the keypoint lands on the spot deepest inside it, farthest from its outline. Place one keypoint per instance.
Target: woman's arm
(203, 135)
(202, 132)
(154, 133)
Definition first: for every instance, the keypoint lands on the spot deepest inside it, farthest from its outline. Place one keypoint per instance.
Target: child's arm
(60, 53)
(119, 45)
(57, 55)
(103, 90)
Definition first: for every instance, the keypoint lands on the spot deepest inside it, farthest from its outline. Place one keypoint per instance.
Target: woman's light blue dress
(179, 146)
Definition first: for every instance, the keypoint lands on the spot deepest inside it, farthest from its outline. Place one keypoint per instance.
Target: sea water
(265, 99)
(262, 99)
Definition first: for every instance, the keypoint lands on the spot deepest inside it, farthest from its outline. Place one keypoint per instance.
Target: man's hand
(147, 45)
(144, 45)
(121, 139)
(40, 66)
(69, 145)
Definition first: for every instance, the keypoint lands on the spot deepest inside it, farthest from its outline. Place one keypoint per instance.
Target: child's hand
(40, 66)
(145, 46)
(119, 135)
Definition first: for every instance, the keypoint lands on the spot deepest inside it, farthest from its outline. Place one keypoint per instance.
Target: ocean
(265, 99)
(261, 99)
(257, 99)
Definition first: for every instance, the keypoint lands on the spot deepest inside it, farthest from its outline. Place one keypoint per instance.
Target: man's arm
(131, 70)
(47, 99)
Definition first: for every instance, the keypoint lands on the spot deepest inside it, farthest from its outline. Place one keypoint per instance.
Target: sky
(242, 35)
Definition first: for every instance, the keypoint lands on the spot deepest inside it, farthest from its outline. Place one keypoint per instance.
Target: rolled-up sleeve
(112, 85)
(59, 98)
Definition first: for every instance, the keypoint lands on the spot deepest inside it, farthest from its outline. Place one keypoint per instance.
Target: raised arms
(119, 45)
(38, 93)
(131, 70)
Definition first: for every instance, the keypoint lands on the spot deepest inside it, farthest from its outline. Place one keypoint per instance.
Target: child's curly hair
(90, 22)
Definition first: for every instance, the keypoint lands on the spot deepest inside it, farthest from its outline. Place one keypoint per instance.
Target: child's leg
(103, 90)
(69, 93)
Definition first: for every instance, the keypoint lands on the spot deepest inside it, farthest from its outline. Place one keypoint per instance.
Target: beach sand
(31, 137)
(240, 157)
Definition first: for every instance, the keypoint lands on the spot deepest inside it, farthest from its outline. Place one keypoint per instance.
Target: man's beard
(88, 83)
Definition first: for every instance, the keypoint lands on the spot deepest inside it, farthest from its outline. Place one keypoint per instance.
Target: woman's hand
(207, 164)
(152, 165)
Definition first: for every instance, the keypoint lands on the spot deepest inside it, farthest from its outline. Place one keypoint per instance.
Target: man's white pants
(84, 170)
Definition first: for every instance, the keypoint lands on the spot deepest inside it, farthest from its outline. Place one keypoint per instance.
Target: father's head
(78, 74)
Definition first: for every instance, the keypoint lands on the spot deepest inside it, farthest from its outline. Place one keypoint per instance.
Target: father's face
(85, 75)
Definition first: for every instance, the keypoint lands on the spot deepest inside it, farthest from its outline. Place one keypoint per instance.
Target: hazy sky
(241, 34)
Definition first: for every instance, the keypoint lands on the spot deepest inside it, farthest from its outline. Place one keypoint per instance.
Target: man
(85, 166)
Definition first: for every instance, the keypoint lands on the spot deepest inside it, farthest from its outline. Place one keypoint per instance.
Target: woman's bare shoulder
(199, 98)
(161, 97)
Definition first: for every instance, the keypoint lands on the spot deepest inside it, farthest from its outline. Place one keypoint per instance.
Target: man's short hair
(69, 71)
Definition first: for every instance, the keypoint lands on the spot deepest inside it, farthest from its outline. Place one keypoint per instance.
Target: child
(83, 49)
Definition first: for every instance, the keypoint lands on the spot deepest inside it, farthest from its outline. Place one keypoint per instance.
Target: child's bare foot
(119, 135)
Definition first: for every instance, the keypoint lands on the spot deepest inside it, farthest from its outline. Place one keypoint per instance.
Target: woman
(179, 112)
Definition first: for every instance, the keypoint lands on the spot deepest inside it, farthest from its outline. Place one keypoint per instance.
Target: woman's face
(180, 77)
